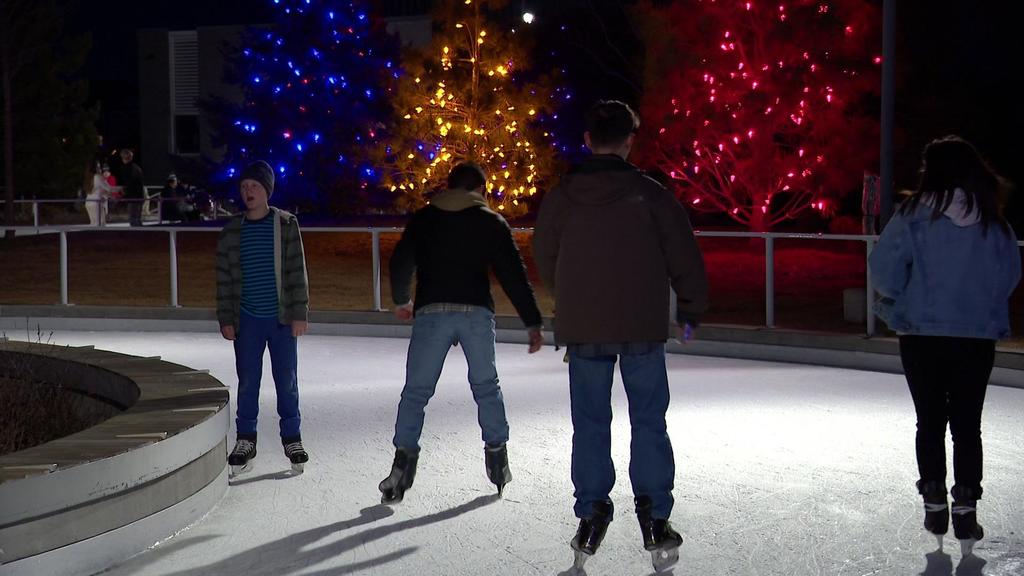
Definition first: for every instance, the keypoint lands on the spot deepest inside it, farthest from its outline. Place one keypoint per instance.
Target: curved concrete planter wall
(81, 503)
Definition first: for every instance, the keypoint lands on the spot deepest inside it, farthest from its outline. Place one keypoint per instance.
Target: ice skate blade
(238, 470)
(298, 468)
(967, 546)
(663, 558)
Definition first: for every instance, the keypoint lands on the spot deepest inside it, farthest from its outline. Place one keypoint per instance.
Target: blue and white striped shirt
(259, 285)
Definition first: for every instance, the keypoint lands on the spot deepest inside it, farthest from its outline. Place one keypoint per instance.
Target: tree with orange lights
(471, 96)
(761, 110)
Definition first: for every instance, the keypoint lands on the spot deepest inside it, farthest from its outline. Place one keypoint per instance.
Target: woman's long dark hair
(950, 163)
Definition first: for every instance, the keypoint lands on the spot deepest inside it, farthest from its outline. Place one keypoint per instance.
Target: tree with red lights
(761, 110)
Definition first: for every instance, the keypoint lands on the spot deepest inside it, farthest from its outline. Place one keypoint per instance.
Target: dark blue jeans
(432, 336)
(253, 338)
(651, 463)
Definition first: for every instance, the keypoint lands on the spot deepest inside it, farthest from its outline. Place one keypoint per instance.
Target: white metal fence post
(174, 268)
(377, 304)
(63, 268)
(769, 281)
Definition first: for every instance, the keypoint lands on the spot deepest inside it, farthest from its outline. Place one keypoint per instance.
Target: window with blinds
(184, 92)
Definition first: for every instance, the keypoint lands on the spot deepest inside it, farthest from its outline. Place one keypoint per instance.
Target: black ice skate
(590, 534)
(296, 454)
(965, 518)
(242, 456)
(403, 472)
(496, 460)
(936, 509)
(659, 538)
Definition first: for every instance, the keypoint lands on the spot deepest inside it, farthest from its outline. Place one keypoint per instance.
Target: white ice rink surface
(780, 470)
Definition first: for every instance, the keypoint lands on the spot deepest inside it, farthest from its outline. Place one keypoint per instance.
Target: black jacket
(129, 176)
(451, 245)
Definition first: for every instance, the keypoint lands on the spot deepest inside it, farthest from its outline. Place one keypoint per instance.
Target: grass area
(131, 269)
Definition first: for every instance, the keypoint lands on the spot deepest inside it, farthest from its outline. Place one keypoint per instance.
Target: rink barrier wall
(78, 504)
(879, 354)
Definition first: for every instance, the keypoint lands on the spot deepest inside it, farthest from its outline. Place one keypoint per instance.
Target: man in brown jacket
(609, 242)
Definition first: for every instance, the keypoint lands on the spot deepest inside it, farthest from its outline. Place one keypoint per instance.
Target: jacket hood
(957, 209)
(457, 200)
(601, 179)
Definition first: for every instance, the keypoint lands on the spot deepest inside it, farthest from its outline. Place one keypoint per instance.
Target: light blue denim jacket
(944, 277)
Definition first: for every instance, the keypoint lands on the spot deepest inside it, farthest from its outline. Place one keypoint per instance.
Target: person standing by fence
(96, 197)
(131, 179)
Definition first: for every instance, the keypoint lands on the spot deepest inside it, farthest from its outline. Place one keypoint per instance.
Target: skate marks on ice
(241, 480)
(298, 552)
(995, 556)
(573, 571)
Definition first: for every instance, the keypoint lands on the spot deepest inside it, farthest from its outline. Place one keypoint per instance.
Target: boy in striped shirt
(263, 301)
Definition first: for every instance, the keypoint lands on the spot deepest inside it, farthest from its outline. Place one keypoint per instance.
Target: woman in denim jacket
(946, 266)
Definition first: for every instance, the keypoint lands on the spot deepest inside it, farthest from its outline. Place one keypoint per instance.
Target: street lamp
(528, 15)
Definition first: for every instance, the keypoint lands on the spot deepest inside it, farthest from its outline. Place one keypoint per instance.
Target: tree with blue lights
(317, 86)
(472, 96)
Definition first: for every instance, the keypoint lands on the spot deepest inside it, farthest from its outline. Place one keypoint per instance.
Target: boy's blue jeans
(432, 336)
(651, 462)
(253, 338)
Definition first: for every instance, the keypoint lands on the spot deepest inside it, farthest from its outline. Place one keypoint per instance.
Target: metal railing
(152, 196)
(769, 239)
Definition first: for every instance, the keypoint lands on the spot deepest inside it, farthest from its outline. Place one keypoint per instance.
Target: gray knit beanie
(261, 172)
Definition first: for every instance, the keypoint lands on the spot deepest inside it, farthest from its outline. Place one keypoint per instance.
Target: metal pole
(174, 269)
(376, 270)
(869, 291)
(886, 151)
(769, 281)
(35, 213)
(63, 268)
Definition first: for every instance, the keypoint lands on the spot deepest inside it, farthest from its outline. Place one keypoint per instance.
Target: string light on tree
(768, 109)
(316, 87)
(472, 97)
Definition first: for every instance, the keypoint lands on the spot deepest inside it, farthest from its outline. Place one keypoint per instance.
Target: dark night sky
(113, 63)
(956, 66)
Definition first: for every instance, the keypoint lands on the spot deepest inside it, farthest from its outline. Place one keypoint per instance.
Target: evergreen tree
(317, 86)
(472, 96)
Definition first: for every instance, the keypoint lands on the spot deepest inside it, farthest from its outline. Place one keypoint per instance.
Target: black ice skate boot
(936, 508)
(496, 460)
(965, 518)
(659, 538)
(242, 456)
(590, 533)
(403, 472)
(296, 453)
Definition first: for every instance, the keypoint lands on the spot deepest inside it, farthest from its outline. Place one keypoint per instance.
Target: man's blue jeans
(432, 336)
(651, 463)
(253, 338)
